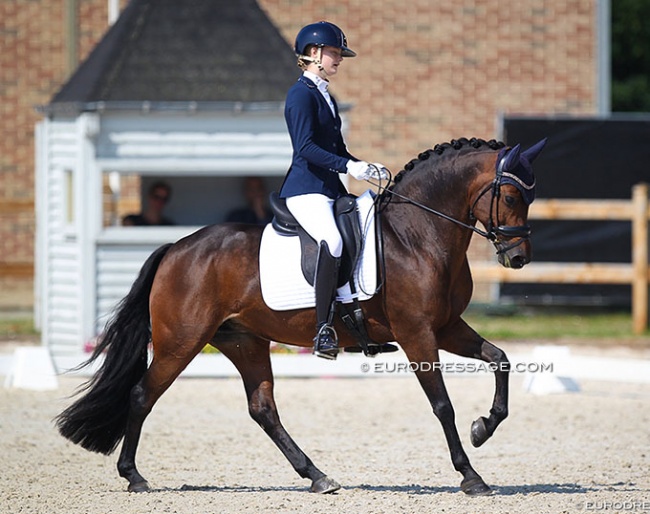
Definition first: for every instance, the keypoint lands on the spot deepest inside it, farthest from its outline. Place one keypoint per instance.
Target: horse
(205, 289)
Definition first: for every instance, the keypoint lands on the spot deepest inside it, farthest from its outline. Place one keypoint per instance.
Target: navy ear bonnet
(515, 167)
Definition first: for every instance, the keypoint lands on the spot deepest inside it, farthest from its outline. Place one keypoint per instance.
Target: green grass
(504, 324)
(541, 324)
(14, 326)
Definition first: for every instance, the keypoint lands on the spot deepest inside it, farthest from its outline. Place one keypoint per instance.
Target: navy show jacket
(319, 152)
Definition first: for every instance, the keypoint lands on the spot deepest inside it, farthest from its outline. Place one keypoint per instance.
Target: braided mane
(455, 144)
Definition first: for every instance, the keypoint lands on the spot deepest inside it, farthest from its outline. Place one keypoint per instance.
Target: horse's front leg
(431, 380)
(460, 339)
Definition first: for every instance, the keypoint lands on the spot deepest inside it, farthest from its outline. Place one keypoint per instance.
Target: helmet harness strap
(318, 61)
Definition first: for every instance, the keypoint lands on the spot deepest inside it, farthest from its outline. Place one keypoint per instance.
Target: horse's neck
(416, 226)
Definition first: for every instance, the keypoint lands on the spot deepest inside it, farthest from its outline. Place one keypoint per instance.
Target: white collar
(321, 83)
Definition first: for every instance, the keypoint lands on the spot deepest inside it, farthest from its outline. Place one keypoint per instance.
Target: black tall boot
(326, 342)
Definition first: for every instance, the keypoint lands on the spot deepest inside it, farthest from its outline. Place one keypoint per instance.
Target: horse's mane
(455, 144)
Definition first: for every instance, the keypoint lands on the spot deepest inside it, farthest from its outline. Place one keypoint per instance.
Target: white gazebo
(162, 96)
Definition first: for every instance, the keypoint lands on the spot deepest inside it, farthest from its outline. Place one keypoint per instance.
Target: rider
(319, 155)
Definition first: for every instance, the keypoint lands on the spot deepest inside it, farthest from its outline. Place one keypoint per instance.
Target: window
(195, 200)
(67, 199)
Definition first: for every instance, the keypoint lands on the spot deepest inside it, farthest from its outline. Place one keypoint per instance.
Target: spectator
(158, 196)
(257, 211)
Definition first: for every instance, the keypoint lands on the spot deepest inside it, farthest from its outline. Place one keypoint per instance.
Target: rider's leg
(326, 341)
(315, 214)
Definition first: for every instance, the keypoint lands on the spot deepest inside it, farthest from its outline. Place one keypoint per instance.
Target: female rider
(319, 156)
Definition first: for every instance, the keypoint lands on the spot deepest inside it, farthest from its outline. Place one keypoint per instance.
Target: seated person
(157, 197)
(257, 211)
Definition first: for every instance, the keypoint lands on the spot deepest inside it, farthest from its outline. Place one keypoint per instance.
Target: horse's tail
(97, 420)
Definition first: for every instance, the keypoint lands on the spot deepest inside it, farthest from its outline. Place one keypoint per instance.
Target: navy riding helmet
(322, 33)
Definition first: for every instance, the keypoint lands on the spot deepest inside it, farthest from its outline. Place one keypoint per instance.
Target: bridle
(495, 232)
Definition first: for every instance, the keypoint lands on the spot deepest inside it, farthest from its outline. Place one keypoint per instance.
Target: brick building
(41, 43)
(427, 71)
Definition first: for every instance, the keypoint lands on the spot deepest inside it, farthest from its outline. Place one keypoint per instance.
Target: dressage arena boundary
(546, 369)
(636, 273)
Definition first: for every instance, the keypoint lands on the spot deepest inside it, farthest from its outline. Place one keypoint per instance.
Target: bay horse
(205, 289)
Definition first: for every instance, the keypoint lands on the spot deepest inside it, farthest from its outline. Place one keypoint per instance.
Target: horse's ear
(511, 159)
(531, 153)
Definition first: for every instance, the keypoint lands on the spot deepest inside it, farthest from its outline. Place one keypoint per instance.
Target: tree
(630, 55)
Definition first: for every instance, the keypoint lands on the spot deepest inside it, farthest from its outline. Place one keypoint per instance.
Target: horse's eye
(510, 200)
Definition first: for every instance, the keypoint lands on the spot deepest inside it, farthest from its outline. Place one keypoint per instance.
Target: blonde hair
(304, 60)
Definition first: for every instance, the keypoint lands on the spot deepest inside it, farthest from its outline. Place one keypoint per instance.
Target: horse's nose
(518, 261)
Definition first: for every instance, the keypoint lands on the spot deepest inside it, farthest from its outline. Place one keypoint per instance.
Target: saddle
(347, 221)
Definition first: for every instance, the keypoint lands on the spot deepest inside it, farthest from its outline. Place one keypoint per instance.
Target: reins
(493, 231)
(483, 233)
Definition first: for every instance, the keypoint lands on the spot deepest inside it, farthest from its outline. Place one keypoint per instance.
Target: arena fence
(636, 273)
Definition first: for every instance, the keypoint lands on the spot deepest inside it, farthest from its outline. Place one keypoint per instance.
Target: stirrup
(326, 342)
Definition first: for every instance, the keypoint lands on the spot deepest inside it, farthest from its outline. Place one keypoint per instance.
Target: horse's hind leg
(250, 355)
(461, 340)
(164, 369)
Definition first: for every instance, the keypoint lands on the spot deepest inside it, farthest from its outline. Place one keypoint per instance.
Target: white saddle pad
(283, 285)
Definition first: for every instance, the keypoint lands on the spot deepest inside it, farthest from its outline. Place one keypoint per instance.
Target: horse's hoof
(324, 485)
(140, 487)
(479, 433)
(475, 487)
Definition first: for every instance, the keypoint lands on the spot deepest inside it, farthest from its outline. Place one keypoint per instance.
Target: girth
(347, 221)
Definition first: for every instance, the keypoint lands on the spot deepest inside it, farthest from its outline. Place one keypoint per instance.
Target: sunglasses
(160, 198)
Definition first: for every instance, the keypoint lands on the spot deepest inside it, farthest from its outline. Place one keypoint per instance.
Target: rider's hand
(380, 172)
(360, 170)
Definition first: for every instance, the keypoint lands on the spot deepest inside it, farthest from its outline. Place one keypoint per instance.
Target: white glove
(360, 170)
(379, 171)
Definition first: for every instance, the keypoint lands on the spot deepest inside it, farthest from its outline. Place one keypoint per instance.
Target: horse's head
(504, 191)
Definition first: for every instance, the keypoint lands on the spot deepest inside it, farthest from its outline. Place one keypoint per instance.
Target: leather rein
(494, 231)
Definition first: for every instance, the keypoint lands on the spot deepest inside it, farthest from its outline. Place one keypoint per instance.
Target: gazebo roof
(194, 54)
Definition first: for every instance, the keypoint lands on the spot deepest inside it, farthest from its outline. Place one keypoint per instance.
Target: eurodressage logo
(615, 506)
(457, 367)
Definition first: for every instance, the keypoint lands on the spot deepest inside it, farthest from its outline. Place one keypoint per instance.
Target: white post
(113, 11)
(89, 197)
(640, 258)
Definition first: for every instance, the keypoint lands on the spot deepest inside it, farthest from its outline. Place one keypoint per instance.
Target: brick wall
(430, 70)
(31, 53)
(427, 71)
(34, 62)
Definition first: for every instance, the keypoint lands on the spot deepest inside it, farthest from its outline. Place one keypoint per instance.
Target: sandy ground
(574, 452)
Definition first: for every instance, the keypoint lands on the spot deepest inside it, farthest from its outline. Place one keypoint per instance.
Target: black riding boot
(326, 342)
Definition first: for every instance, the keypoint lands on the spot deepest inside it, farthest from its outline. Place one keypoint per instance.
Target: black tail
(97, 420)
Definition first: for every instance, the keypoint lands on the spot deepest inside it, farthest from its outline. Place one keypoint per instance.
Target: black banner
(585, 158)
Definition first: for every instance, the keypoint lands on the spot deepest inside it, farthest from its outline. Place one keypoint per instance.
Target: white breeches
(315, 213)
